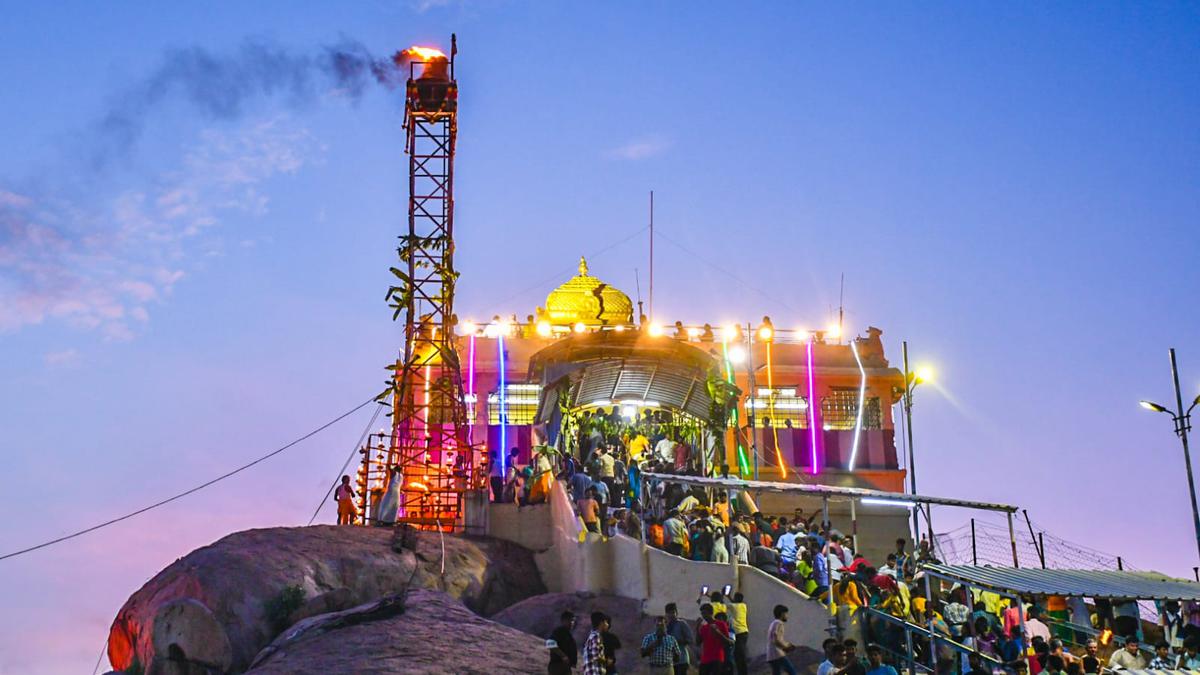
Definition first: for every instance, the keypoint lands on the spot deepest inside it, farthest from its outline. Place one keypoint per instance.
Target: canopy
(1117, 585)
(608, 367)
(826, 491)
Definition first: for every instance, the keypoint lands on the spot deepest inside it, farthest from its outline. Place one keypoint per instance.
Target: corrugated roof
(827, 491)
(1118, 585)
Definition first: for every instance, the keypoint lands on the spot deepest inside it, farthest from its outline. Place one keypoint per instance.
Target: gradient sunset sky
(192, 277)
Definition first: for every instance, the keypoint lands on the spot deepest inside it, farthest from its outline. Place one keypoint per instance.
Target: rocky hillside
(434, 634)
(216, 608)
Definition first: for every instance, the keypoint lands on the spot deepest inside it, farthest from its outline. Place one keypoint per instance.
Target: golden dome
(586, 299)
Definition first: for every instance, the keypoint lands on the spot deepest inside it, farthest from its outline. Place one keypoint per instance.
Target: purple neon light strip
(812, 407)
(503, 412)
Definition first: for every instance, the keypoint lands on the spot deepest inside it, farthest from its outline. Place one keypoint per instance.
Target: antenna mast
(652, 255)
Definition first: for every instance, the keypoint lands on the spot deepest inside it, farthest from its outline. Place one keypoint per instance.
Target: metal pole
(912, 661)
(929, 623)
(733, 564)
(1182, 426)
(912, 469)
(1024, 635)
(750, 398)
(1012, 539)
(1120, 564)
(1033, 538)
(853, 525)
(1042, 548)
(974, 553)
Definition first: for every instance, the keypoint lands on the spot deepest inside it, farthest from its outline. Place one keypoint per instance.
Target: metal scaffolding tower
(429, 440)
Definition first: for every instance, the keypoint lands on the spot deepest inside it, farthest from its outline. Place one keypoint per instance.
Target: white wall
(622, 566)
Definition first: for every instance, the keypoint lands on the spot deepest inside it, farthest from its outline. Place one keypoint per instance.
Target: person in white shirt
(777, 645)
(665, 450)
(1034, 626)
(1128, 658)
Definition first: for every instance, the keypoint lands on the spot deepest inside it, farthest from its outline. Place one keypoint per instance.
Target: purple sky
(1012, 188)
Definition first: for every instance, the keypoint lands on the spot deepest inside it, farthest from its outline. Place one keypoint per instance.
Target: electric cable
(558, 275)
(185, 493)
(353, 450)
(724, 271)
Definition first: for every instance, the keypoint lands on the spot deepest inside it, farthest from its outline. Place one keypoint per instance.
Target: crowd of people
(603, 473)
(716, 644)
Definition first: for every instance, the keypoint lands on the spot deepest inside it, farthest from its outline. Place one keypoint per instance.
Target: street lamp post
(911, 380)
(1183, 424)
(909, 385)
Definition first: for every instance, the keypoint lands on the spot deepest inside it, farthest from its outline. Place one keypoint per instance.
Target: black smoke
(219, 86)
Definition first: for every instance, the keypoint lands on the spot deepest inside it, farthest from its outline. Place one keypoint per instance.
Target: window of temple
(780, 406)
(839, 410)
(520, 404)
(470, 401)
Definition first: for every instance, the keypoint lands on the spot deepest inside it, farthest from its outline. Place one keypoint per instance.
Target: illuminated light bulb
(737, 354)
(543, 328)
(655, 330)
(580, 327)
(924, 373)
(803, 335)
(834, 331)
(629, 412)
(729, 333)
(468, 327)
(765, 333)
(620, 328)
(490, 330)
(693, 333)
(503, 328)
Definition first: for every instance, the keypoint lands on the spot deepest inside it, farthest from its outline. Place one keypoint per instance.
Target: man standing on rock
(594, 660)
(344, 496)
(565, 654)
(661, 649)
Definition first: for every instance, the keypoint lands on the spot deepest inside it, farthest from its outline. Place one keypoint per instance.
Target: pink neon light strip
(812, 407)
(471, 383)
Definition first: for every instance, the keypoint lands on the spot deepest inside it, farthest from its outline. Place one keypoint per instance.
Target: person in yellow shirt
(721, 508)
(739, 624)
(637, 444)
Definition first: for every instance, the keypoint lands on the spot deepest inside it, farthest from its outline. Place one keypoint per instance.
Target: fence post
(974, 553)
(912, 659)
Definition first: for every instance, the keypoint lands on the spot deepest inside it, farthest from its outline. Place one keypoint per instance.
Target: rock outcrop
(229, 585)
(540, 615)
(430, 633)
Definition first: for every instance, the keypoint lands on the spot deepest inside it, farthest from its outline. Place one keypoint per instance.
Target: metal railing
(922, 632)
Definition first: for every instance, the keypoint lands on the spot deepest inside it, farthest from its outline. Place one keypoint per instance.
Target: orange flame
(423, 53)
(420, 487)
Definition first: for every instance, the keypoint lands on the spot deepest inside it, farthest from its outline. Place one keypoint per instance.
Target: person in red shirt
(714, 639)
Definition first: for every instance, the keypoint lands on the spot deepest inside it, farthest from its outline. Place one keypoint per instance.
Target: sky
(193, 255)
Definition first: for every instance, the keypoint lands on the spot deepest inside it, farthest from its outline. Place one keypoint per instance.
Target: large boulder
(238, 577)
(539, 616)
(425, 632)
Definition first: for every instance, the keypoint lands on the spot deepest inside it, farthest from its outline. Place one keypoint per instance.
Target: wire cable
(185, 493)
(353, 450)
(558, 275)
(724, 271)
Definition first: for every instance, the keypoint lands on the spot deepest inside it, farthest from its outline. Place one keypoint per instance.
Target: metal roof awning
(832, 491)
(1117, 585)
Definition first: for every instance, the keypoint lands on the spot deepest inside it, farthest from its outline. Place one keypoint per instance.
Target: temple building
(584, 351)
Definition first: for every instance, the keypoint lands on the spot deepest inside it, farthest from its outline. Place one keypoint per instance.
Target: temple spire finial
(583, 270)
